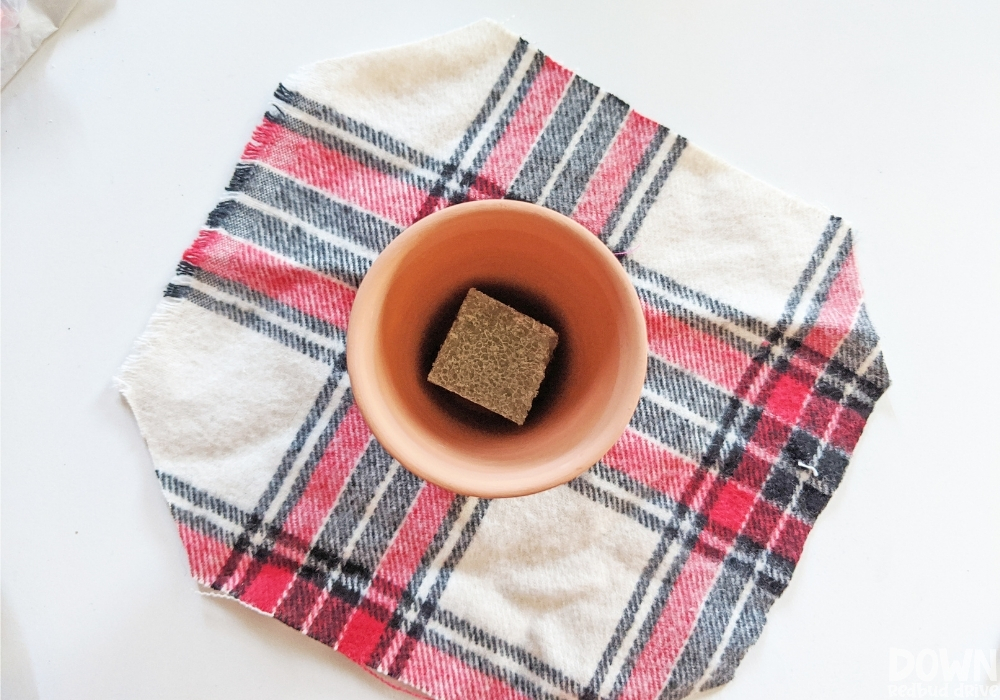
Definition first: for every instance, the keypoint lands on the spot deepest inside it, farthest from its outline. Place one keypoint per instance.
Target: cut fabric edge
(483, 24)
(860, 237)
(388, 681)
(422, 94)
(151, 334)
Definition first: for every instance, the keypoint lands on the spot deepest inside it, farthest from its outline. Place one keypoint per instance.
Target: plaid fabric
(648, 576)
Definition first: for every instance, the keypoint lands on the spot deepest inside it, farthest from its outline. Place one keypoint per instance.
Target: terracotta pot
(542, 264)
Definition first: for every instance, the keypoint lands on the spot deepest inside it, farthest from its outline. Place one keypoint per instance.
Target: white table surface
(120, 133)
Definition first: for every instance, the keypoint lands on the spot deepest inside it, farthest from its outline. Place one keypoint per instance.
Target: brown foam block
(494, 356)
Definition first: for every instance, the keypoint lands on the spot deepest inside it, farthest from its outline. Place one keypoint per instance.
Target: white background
(119, 135)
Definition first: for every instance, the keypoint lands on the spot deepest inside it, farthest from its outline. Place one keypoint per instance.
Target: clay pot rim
(362, 367)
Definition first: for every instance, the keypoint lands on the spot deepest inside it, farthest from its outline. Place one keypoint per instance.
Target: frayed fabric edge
(150, 335)
(393, 683)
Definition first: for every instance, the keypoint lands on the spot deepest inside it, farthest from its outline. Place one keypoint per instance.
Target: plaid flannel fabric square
(648, 576)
